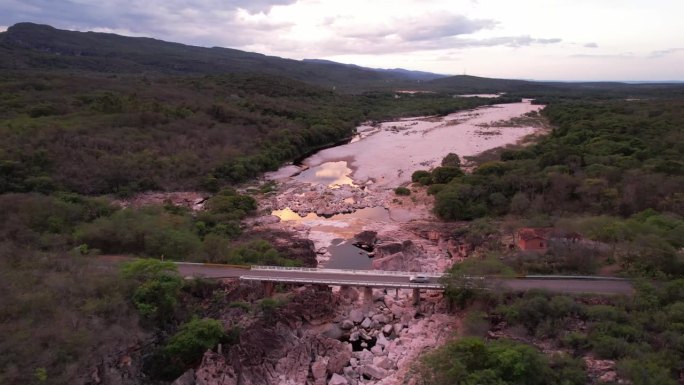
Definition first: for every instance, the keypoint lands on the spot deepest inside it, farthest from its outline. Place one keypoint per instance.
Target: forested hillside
(33, 46)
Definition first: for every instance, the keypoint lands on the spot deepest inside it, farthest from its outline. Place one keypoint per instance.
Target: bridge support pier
(368, 294)
(416, 297)
(269, 288)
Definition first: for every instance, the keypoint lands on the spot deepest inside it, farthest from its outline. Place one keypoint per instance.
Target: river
(340, 191)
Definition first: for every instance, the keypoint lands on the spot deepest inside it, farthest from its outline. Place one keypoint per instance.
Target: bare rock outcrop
(278, 351)
(398, 256)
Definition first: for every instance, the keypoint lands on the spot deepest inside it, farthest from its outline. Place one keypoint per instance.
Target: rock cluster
(321, 200)
(387, 334)
(281, 349)
(193, 200)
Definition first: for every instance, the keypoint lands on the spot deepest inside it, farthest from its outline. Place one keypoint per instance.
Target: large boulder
(356, 315)
(319, 370)
(374, 372)
(397, 328)
(364, 356)
(388, 300)
(380, 318)
(188, 378)
(381, 340)
(366, 323)
(366, 237)
(336, 379)
(383, 362)
(405, 256)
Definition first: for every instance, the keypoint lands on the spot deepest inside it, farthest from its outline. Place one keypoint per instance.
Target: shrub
(402, 191)
(451, 160)
(185, 348)
(445, 174)
(645, 372)
(435, 189)
(491, 168)
(159, 285)
(471, 360)
(421, 176)
(269, 305)
(240, 305)
(192, 339)
(576, 341)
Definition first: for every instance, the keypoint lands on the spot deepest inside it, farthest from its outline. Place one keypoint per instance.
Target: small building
(532, 239)
(537, 238)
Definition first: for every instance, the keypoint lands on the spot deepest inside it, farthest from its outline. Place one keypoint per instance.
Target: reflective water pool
(340, 230)
(344, 255)
(329, 173)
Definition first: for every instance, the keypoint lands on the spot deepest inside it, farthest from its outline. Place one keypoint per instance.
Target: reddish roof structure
(528, 233)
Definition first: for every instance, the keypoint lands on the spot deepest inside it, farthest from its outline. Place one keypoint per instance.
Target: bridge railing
(338, 282)
(347, 271)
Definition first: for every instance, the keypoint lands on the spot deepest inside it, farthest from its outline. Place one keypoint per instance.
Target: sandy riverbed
(390, 152)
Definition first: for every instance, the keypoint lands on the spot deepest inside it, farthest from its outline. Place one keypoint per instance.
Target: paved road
(570, 286)
(567, 285)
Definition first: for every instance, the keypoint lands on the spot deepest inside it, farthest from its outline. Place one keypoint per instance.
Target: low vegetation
(641, 334)
(402, 191)
(471, 360)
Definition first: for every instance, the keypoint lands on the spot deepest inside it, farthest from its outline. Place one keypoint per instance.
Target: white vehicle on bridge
(418, 278)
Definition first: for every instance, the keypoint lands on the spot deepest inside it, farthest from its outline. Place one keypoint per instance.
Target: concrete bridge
(269, 275)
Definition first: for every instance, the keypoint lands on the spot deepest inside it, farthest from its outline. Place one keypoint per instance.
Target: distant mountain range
(35, 46)
(29, 46)
(408, 74)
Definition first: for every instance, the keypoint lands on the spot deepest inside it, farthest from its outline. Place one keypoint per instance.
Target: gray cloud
(509, 41)
(624, 55)
(219, 23)
(591, 45)
(664, 52)
(632, 55)
(413, 29)
(390, 45)
(258, 5)
(437, 27)
(201, 22)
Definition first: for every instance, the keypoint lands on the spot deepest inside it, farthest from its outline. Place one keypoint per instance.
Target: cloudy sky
(525, 39)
